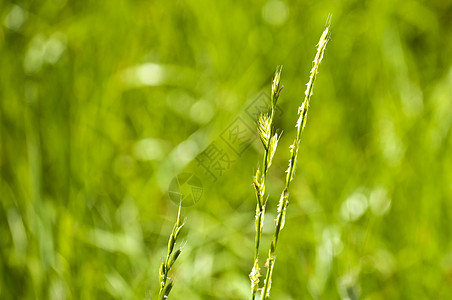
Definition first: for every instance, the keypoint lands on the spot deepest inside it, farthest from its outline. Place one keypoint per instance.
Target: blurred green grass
(102, 103)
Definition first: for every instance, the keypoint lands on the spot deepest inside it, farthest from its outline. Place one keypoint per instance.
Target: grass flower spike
(166, 284)
(301, 122)
(269, 140)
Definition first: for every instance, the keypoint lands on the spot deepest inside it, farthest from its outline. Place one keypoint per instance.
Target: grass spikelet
(269, 140)
(166, 284)
(301, 122)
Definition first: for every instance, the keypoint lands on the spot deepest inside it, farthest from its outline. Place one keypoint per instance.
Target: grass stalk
(166, 284)
(301, 122)
(269, 140)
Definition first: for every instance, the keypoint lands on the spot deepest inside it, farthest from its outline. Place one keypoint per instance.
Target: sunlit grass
(98, 98)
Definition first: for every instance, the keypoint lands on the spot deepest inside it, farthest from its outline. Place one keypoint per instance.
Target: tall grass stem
(269, 140)
(301, 122)
(166, 283)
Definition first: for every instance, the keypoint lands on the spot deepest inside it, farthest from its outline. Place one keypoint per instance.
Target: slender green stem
(301, 122)
(269, 140)
(165, 284)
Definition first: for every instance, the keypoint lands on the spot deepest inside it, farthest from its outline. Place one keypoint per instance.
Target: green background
(102, 103)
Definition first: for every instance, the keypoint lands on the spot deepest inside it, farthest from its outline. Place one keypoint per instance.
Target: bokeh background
(104, 102)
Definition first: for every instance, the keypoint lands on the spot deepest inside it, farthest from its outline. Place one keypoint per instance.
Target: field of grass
(110, 111)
